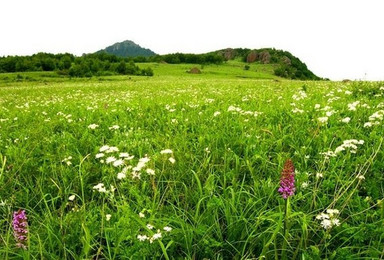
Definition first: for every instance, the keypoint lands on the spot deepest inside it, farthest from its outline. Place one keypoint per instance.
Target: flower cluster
(300, 95)
(347, 144)
(67, 160)
(329, 219)
(20, 228)
(375, 118)
(155, 236)
(287, 180)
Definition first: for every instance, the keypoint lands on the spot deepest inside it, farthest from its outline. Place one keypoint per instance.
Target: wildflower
(217, 113)
(136, 175)
(167, 229)
(112, 149)
(118, 163)
(304, 185)
(121, 175)
(319, 175)
(329, 219)
(108, 217)
(287, 180)
(99, 155)
(323, 119)
(126, 156)
(353, 106)
(297, 110)
(150, 171)
(346, 120)
(172, 160)
(104, 148)
(114, 127)
(20, 226)
(149, 226)
(166, 151)
(360, 177)
(71, 198)
(110, 159)
(100, 188)
(67, 160)
(93, 126)
(141, 215)
(142, 238)
(155, 236)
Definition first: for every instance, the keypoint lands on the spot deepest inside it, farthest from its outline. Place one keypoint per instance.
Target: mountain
(128, 49)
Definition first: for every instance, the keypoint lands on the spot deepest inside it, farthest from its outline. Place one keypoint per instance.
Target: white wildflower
(346, 120)
(141, 215)
(112, 149)
(121, 175)
(93, 126)
(167, 229)
(172, 160)
(110, 159)
(100, 188)
(71, 198)
(166, 151)
(136, 175)
(326, 223)
(217, 113)
(108, 217)
(360, 177)
(142, 238)
(104, 148)
(323, 120)
(297, 110)
(99, 155)
(149, 226)
(150, 171)
(114, 127)
(155, 236)
(118, 163)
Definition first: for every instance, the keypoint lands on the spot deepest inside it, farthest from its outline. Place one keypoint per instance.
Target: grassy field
(181, 166)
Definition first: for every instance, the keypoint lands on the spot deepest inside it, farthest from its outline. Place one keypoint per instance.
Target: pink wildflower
(20, 226)
(287, 180)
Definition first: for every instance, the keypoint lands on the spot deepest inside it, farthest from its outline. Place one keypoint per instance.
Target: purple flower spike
(287, 180)
(20, 228)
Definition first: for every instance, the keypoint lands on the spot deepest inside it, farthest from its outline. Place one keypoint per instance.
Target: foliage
(66, 64)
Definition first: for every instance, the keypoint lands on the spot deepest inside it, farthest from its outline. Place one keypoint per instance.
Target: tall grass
(218, 200)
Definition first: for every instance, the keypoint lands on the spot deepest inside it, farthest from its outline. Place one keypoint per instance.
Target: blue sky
(337, 39)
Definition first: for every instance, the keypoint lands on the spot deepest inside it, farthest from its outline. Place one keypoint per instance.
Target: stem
(286, 216)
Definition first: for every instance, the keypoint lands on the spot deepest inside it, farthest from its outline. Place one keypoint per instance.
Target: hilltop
(127, 49)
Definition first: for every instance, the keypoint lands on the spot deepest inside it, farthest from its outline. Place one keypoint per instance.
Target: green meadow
(188, 166)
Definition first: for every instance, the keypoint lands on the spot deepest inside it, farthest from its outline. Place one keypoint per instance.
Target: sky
(336, 39)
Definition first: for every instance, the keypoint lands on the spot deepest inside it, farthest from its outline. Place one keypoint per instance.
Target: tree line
(87, 65)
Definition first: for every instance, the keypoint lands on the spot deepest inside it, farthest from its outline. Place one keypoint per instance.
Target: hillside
(287, 65)
(127, 49)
